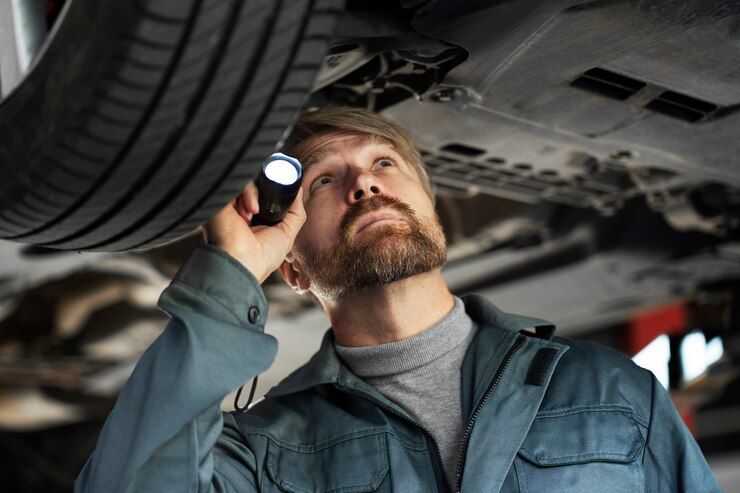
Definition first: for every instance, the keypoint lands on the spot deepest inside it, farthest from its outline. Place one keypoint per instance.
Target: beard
(383, 254)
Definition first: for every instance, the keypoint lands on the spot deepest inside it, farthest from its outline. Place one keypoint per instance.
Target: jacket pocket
(583, 449)
(351, 465)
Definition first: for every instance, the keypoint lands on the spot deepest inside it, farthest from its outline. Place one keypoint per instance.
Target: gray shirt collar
(415, 351)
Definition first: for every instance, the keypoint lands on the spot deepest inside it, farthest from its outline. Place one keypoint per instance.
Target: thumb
(295, 216)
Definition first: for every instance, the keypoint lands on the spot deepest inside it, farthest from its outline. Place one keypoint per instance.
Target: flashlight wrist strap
(249, 399)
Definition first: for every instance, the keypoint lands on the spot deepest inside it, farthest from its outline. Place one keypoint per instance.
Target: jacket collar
(325, 367)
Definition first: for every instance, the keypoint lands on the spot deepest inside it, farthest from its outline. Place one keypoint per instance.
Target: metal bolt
(378, 86)
(622, 154)
(444, 95)
(418, 68)
(333, 60)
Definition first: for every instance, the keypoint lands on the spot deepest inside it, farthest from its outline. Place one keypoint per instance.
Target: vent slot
(681, 106)
(608, 83)
(462, 150)
(522, 181)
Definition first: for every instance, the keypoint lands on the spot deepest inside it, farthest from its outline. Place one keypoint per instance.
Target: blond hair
(361, 122)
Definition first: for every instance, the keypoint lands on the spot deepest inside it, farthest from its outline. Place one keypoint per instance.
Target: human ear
(292, 274)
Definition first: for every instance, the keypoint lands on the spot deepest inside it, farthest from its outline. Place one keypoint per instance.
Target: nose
(364, 187)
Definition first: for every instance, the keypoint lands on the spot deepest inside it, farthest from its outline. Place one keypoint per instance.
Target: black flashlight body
(276, 198)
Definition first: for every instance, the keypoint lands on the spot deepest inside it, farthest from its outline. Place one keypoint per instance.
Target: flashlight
(277, 185)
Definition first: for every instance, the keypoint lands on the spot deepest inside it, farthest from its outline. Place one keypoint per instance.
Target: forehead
(322, 147)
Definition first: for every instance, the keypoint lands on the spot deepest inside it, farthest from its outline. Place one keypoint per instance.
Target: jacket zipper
(518, 343)
(436, 460)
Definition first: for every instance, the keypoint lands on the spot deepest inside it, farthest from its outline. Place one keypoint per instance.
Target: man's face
(350, 180)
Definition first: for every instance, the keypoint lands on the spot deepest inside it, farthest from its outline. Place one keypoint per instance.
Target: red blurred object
(688, 415)
(646, 325)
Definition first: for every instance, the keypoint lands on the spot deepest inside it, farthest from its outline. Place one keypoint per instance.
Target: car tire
(142, 118)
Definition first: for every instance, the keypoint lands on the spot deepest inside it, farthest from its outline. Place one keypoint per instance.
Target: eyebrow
(317, 156)
(322, 153)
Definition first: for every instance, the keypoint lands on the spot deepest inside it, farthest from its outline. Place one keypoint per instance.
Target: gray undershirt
(422, 375)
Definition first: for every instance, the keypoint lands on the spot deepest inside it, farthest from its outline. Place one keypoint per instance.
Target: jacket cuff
(215, 273)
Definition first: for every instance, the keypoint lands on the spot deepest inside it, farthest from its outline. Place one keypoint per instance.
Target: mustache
(379, 201)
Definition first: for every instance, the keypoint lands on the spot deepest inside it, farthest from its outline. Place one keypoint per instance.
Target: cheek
(418, 200)
(314, 232)
(410, 185)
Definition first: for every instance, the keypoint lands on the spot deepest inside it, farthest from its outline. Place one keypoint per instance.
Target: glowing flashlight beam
(282, 172)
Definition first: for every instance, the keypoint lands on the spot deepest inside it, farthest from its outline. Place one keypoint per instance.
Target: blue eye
(318, 180)
(386, 160)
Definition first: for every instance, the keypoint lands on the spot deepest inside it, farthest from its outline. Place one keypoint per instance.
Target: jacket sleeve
(166, 431)
(672, 460)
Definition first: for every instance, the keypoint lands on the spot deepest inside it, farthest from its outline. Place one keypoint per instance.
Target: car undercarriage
(585, 156)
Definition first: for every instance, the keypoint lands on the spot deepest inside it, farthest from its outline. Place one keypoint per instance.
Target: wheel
(142, 118)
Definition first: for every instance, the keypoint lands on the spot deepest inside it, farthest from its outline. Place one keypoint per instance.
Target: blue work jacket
(542, 414)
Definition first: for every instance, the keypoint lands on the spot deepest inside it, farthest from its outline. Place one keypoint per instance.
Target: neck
(390, 313)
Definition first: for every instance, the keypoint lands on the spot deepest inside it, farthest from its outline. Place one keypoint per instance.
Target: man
(413, 389)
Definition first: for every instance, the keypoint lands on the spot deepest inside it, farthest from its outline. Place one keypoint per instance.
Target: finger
(250, 196)
(241, 209)
(295, 217)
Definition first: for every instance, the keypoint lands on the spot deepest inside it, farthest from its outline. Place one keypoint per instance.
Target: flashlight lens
(281, 171)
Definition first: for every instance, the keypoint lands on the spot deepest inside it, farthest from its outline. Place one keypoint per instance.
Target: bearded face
(344, 247)
(381, 253)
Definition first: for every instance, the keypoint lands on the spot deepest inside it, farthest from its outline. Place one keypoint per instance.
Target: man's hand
(261, 249)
